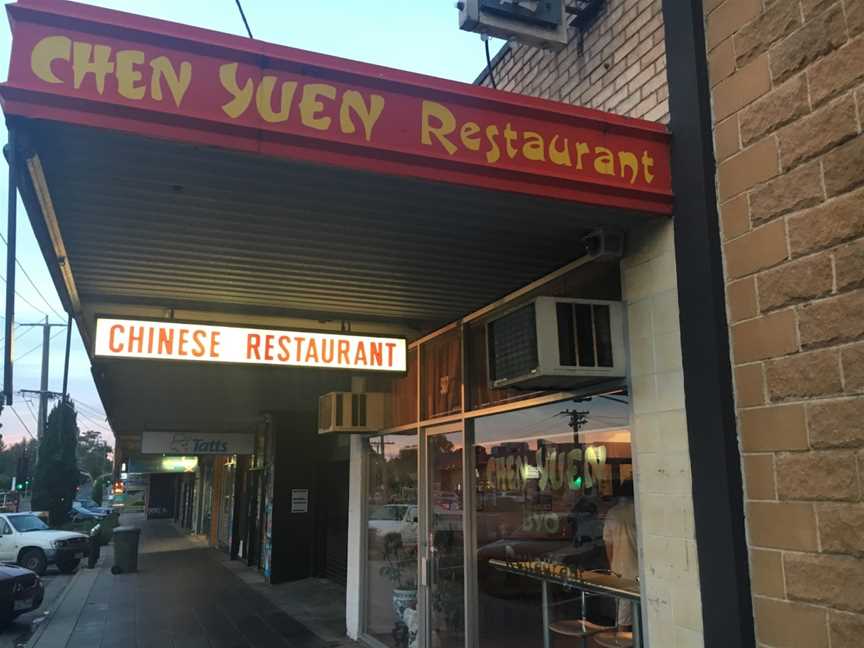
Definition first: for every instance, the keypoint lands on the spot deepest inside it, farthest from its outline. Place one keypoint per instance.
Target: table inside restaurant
(592, 582)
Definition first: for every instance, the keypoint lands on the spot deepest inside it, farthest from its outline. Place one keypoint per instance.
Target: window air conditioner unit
(355, 413)
(554, 343)
(542, 23)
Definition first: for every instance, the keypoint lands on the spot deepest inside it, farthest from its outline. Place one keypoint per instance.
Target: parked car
(394, 518)
(80, 512)
(28, 541)
(93, 507)
(21, 590)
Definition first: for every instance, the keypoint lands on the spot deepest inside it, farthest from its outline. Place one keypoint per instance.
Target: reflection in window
(554, 484)
(392, 521)
(447, 569)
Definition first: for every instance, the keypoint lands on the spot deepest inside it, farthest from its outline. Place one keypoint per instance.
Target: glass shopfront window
(555, 524)
(446, 534)
(392, 526)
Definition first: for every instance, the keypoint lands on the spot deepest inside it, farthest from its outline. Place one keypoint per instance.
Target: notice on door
(159, 340)
(299, 500)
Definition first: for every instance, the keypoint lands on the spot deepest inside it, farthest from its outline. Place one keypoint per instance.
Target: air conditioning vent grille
(513, 345)
(325, 409)
(358, 410)
(584, 335)
(354, 412)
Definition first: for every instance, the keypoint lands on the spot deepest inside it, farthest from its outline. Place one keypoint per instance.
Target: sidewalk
(182, 597)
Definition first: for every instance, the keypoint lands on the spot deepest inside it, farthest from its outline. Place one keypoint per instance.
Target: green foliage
(106, 527)
(99, 487)
(93, 454)
(56, 476)
(9, 456)
(400, 562)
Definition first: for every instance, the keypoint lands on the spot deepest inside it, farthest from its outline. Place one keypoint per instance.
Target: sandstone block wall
(787, 85)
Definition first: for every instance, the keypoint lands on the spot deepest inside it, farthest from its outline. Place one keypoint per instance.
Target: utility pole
(43, 384)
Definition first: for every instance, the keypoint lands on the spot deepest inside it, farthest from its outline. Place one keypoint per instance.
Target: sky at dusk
(417, 35)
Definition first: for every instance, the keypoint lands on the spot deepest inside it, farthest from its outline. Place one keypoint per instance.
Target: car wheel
(34, 560)
(68, 566)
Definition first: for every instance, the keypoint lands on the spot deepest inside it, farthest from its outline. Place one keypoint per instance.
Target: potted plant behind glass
(400, 567)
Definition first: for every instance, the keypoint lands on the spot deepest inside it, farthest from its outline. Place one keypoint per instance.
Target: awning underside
(157, 226)
(158, 223)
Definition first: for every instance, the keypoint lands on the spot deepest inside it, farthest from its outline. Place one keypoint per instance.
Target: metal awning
(157, 223)
(156, 210)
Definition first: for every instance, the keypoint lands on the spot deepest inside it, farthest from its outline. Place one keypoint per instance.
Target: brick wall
(622, 69)
(787, 83)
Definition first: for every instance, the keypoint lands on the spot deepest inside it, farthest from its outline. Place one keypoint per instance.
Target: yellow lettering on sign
(561, 156)
(264, 99)
(95, 60)
(46, 51)
(510, 136)
(128, 76)
(534, 147)
(178, 84)
(628, 162)
(581, 149)
(468, 135)
(647, 166)
(310, 106)
(604, 162)
(352, 102)
(241, 97)
(494, 152)
(446, 125)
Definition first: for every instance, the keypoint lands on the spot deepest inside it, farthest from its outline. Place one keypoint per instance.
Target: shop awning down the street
(176, 173)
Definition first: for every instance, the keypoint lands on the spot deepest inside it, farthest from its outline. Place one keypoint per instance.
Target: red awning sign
(91, 66)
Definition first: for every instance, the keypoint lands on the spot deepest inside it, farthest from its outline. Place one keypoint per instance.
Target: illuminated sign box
(195, 443)
(155, 340)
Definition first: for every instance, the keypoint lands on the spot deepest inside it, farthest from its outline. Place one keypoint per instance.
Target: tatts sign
(91, 66)
(121, 338)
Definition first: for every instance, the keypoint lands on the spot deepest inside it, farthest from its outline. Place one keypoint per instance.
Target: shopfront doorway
(443, 551)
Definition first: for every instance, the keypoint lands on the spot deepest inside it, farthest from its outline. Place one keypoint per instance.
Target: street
(20, 629)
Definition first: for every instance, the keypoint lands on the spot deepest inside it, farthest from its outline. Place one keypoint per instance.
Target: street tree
(56, 476)
(93, 454)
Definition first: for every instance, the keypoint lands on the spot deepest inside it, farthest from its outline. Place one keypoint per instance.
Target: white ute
(27, 540)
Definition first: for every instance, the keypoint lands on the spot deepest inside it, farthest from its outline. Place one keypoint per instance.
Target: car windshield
(24, 523)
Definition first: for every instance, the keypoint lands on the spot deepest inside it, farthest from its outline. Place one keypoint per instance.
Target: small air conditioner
(357, 413)
(555, 343)
(542, 23)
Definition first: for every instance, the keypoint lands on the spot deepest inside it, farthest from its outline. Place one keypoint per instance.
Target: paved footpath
(181, 597)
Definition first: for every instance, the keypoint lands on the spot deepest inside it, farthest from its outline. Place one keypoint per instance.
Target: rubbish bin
(125, 549)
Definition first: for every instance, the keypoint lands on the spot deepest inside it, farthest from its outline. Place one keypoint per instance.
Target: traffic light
(19, 471)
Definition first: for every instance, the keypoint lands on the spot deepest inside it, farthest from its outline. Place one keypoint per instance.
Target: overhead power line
(37, 347)
(32, 283)
(25, 300)
(30, 408)
(243, 16)
(18, 416)
(90, 419)
(94, 410)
